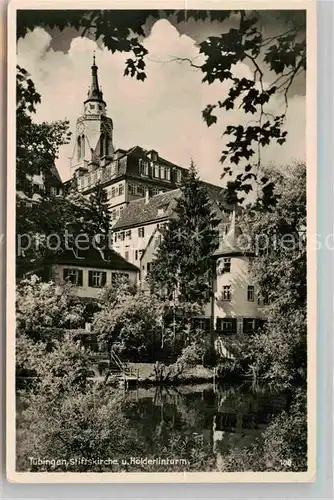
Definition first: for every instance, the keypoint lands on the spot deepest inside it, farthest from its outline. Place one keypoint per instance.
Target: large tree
(271, 43)
(37, 144)
(183, 262)
(278, 353)
(98, 208)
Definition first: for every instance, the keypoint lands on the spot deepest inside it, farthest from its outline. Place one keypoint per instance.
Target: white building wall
(127, 248)
(85, 290)
(238, 279)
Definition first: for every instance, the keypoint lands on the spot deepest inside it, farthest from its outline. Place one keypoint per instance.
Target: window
(116, 191)
(161, 212)
(97, 279)
(128, 234)
(53, 191)
(226, 265)
(250, 293)
(113, 214)
(143, 167)
(162, 172)
(156, 171)
(83, 146)
(126, 255)
(36, 188)
(202, 323)
(141, 232)
(138, 254)
(178, 176)
(73, 276)
(121, 236)
(248, 325)
(121, 211)
(121, 189)
(227, 325)
(168, 173)
(227, 292)
(102, 143)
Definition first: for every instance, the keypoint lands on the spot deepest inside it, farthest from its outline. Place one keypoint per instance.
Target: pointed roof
(229, 244)
(94, 92)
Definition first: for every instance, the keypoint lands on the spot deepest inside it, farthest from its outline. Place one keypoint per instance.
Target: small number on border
(286, 463)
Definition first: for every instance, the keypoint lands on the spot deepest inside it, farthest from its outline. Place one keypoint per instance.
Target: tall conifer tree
(99, 210)
(183, 264)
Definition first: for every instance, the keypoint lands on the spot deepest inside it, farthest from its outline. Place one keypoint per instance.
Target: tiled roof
(93, 258)
(139, 212)
(160, 206)
(52, 177)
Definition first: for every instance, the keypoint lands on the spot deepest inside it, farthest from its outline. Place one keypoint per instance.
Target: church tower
(94, 131)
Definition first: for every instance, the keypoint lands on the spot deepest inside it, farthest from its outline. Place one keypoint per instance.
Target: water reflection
(218, 419)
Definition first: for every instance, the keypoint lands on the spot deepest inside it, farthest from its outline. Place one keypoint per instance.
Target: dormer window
(154, 156)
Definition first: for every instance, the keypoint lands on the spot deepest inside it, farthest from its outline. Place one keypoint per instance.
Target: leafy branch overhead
(275, 61)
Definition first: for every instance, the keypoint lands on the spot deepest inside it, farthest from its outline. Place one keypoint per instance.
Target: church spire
(94, 92)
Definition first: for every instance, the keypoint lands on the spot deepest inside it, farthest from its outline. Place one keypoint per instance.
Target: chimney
(147, 195)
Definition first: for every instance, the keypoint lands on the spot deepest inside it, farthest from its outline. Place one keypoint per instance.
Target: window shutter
(234, 325)
(219, 324)
(104, 278)
(90, 278)
(80, 274)
(65, 274)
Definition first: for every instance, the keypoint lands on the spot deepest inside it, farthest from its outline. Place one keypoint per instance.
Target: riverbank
(143, 374)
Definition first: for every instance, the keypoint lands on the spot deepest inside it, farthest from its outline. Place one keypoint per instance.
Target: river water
(217, 418)
(183, 428)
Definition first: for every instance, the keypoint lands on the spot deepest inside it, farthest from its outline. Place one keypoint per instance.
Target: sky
(163, 113)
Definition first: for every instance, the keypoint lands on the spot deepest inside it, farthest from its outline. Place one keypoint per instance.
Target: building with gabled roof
(88, 270)
(140, 219)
